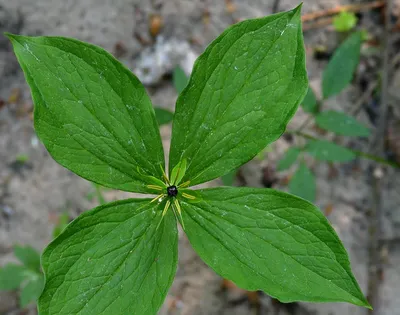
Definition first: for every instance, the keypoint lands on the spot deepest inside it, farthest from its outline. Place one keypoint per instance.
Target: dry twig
(349, 8)
(375, 268)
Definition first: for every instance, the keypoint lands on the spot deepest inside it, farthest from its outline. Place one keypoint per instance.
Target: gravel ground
(32, 195)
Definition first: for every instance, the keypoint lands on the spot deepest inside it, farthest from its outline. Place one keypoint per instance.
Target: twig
(318, 24)
(364, 98)
(375, 267)
(275, 7)
(350, 8)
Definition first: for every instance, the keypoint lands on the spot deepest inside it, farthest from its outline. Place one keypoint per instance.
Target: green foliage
(27, 277)
(303, 184)
(289, 159)
(239, 98)
(11, 276)
(94, 117)
(344, 21)
(28, 256)
(268, 240)
(115, 261)
(229, 179)
(309, 103)
(97, 124)
(180, 79)
(341, 124)
(22, 158)
(163, 116)
(31, 291)
(340, 69)
(328, 151)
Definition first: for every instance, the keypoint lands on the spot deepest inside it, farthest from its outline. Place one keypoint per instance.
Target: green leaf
(11, 276)
(341, 124)
(111, 260)
(243, 91)
(178, 172)
(229, 179)
(303, 184)
(31, 291)
(164, 116)
(289, 158)
(92, 114)
(328, 151)
(309, 103)
(180, 79)
(28, 256)
(344, 21)
(263, 239)
(340, 69)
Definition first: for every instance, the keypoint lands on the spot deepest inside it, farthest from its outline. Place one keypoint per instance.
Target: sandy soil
(33, 194)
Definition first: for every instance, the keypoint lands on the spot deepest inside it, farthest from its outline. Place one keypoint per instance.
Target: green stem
(356, 152)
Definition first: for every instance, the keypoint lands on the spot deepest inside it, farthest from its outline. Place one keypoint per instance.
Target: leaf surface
(243, 91)
(303, 183)
(111, 260)
(92, 114)
(272, 241)
(328, 151)
(340, 70)
(341, 124)
(289, 158)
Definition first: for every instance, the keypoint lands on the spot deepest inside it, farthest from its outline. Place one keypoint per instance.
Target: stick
(375, 266)
(350, 8)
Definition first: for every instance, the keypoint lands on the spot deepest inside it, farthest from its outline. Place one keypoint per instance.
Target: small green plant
(337, 76)
(344, 21)
(95, 118)
(26, 277)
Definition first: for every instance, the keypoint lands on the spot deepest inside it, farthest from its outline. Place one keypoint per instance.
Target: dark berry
(172, 191)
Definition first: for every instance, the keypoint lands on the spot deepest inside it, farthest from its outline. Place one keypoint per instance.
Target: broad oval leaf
(243, 91)
(111, 260)
(263, 239)
(289, 158)
(303, 183)
(340, 69)
(92, 114)
(328, 151)
(341, 124)
(309, 102)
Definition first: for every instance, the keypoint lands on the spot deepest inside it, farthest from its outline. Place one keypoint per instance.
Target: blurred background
(159, 40)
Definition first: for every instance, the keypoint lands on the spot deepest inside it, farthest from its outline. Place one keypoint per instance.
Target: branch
(349, 8)
(375, 264)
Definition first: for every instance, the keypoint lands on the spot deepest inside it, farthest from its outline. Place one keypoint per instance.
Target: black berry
(172, 191)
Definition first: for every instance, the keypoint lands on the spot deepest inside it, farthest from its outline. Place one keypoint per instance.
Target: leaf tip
(10, 36)
(297, 10)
